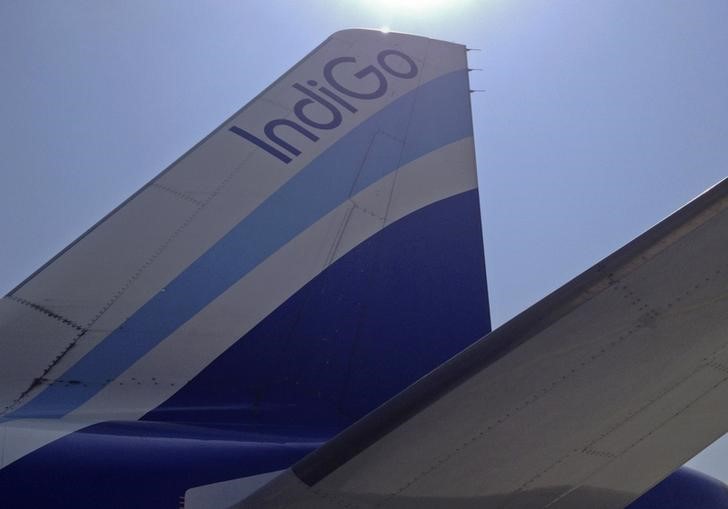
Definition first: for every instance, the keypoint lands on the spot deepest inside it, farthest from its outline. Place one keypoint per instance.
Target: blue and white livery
(276, 312)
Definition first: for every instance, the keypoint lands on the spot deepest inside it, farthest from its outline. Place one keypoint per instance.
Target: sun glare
(411, 7)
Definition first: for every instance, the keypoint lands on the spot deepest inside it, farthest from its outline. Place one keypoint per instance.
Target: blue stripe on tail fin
(373, 322)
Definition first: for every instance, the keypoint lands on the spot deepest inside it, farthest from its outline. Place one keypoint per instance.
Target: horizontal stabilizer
(587, 399)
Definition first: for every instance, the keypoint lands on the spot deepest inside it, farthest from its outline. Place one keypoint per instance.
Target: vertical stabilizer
(314, 255)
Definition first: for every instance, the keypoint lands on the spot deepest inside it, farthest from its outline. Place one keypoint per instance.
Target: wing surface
(587, 399)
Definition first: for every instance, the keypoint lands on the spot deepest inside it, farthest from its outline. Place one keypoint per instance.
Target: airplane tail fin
(309, 259)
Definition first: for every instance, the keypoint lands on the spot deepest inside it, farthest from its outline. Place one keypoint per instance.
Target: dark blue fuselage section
(143, 464)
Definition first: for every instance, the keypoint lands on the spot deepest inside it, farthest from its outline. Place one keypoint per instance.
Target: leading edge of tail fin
(314, 255)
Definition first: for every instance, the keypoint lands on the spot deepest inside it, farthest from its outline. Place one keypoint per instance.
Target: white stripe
(177, 359)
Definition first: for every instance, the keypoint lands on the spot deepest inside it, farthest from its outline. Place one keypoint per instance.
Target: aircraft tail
(309, 259)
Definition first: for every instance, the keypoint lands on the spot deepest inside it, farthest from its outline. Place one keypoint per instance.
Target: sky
(597, 119)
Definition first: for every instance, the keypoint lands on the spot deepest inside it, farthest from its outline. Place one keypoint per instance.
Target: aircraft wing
(587, 399)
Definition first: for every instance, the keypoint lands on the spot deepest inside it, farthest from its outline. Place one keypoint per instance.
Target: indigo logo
(330, 101)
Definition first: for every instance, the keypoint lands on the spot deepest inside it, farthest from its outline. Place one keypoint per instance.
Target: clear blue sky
(598, 118)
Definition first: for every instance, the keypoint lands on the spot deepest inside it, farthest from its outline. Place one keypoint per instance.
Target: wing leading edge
(587, 399)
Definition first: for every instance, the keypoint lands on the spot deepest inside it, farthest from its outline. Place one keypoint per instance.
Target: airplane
(295, 314)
